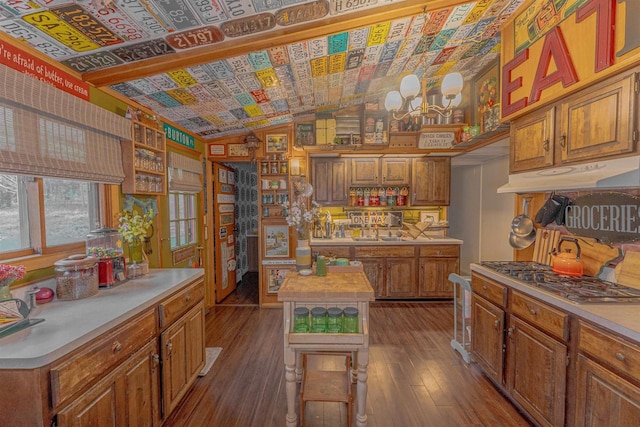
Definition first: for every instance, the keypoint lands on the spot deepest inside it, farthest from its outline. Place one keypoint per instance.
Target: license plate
(144, 17)
(19, 7)
(92, 61)
(51, 25)
(144, 50)
(238, 8)
(21, 31)
(197, 37)
(178, 13)
(183, 78)
(343, 6)
(86, 24)
(208, 11)
(118, 22)
(248, 25)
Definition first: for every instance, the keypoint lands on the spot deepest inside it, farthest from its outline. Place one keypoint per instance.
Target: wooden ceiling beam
(261, 41)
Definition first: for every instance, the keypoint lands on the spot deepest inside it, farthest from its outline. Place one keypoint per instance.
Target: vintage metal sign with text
(608, 217)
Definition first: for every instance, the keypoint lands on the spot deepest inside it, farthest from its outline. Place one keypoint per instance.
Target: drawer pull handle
(484, 288)
(545, 145)
(187, 297)
(169, 348)
(620, 356)
(532, 311)
(496, 324)
(510, 331)
(116, 347)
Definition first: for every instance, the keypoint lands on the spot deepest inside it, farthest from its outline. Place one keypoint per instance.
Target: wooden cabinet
(431, 181)
(532, 141)
(144, 160)
(536, 372)
(380, 171)
(391, 270)
(329, 180)
(588, 125)
(182, 356)
(274, 187)
(528, 359)
(435, 264)
(608, 379)
(127, 396)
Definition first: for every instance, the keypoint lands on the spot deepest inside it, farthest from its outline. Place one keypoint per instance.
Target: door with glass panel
(223, 230)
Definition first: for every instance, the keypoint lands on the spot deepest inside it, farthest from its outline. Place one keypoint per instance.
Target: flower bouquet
(134, 228)
(301, 212)
(8, 275)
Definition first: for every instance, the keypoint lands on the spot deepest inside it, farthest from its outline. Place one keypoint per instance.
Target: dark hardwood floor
(415, 379)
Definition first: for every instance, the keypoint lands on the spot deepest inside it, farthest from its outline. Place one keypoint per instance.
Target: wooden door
(224, 230)
(599, 123)
(487, 337)
(374, 270)
(175, 373)
(603, 398)
(532, 144)
(97, 407)
(431, 181)
(400, 277)
(142, 387)
(395, 171)
(329, 180)
(365, 171)
(536, 372)
(433, 280)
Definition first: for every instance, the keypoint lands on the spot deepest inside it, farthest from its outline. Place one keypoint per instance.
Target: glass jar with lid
(318, 320)
(159, 164)
(104, 243)
(301, 320)
(334, 320)
(350, 320)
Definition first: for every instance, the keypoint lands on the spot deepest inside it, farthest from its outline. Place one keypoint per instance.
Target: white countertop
(623, 318)
(71, 324)
(348, 241)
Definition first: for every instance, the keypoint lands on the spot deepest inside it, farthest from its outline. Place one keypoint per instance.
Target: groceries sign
(608, 217)
(552, 47)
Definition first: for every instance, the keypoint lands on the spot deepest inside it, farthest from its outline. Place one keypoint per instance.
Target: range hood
(601, 175)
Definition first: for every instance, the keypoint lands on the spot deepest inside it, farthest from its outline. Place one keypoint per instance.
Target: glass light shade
(409, 86)
(455, 101)
(415, 106)
(452, 84)
(393, 101)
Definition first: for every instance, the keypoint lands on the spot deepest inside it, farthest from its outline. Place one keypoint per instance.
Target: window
(182, 219)
(71, 210)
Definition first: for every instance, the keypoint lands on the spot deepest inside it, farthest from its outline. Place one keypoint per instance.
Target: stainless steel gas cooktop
(580, 290)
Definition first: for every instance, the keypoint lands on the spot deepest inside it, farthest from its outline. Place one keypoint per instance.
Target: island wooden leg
(298, 366)
(361, 397)
(290, 377)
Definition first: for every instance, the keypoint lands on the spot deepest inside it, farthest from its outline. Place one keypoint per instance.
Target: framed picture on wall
(277, 143)
(304, 134)
(276, 241)
(485, 88)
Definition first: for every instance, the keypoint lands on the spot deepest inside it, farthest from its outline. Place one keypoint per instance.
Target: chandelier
(406, 101)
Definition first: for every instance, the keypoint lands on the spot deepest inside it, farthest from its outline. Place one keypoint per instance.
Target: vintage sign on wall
(608, 217)
(551, 48)
(434, 140)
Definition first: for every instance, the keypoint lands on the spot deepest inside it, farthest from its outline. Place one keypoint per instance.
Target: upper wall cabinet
(589, 125)
(329, 180)
(431, 181)
(376, 171)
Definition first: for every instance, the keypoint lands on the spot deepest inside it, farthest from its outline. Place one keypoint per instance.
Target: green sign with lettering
(176, 135)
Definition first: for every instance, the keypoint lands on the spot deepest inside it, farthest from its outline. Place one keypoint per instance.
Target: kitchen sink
(365, 239)
(391, 238)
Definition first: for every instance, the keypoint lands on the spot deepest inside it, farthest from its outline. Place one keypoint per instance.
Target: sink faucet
(31, 299)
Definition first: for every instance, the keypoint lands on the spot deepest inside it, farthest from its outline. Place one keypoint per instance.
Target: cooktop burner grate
(583, 289)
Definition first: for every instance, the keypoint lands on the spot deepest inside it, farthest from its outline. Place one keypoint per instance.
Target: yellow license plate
(50, 24)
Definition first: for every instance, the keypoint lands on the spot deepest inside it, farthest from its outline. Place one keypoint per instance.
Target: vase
(303, 255)
(135, 252)
(5, 285)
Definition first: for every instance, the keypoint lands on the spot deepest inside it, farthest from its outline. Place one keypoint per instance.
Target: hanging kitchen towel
(549, 211)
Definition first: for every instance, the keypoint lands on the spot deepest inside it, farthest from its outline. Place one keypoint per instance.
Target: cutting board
(627, 272)
(546, 241)
(595, 255)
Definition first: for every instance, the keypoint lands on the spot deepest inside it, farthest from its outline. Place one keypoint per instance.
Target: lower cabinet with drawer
(132, 373)
(608, 379)
(391, 270)
(521, 343)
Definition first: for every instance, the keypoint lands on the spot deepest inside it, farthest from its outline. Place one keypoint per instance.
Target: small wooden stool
(326, 386)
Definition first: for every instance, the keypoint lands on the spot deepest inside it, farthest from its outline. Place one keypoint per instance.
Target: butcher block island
(125, 356)
(343, 287)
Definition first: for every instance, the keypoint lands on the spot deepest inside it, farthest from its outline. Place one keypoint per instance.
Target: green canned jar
(334, 320)
(318, 320)
(350, 320)
(301, 320)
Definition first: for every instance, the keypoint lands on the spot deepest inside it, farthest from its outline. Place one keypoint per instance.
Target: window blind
(47, 132)
(184, 173)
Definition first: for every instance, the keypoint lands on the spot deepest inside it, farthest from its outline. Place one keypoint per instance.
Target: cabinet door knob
(620, 356)
(116, 347)
(532, 311)
(510, 331)
(545, 145)
(169, 348)
(563, 140)
(496, 324)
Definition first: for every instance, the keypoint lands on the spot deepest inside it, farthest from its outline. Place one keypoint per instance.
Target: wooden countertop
(622, 318)
(334, 287)
(70, 324)
(347, 241)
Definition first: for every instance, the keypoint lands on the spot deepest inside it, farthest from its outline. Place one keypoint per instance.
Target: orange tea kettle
(567, 263)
